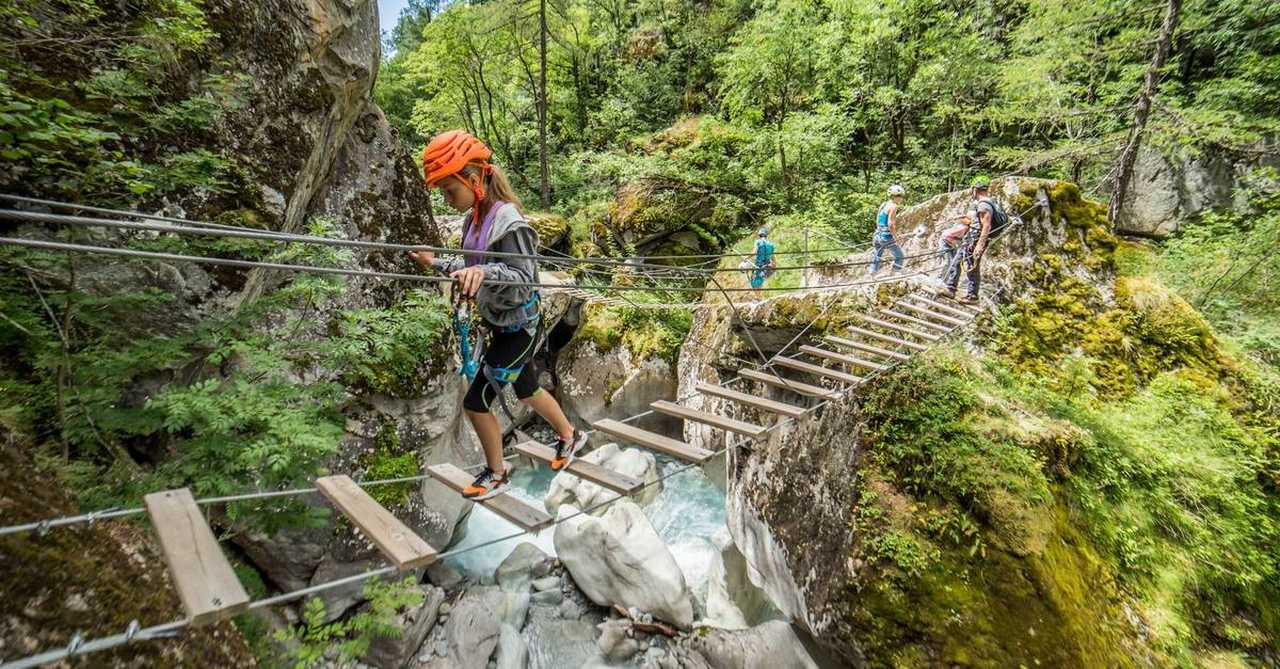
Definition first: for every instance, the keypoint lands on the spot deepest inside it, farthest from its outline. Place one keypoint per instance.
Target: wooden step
(866, 348)
(907, 318)
(927, 313)
(206, 583)
(524, 516)
(773, 406)
(817, 370)
(944, 308)
(890, 325)
(721, 422)
(653, 441)
(972, 309)
(841, 357)
(888, 338)
(401, 545)
(793, 386)
(583, 469)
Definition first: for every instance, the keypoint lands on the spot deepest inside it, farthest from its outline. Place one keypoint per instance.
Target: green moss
(1146, 331)
(644, 332)
(1085, 219)
(386, 461)
(1001, 521)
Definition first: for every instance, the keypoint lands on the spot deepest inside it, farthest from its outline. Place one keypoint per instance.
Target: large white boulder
(634, 462)
(619, 559)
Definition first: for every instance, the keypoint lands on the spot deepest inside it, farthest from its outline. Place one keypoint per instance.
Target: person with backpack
(988, 219)
(883, 239)
(764, 262)
(458, 164)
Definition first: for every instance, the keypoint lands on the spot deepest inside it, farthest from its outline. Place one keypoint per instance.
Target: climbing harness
(472, 357)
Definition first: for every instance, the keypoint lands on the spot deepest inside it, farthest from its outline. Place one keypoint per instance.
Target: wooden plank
(401, 545)
(722, 422)
(944, 308)
(653, 441)
(866, 348)
(931, 314)
(890, 325)
(817, 370)
(887, 338)
(957, 304)
(843, 358)
(793, 386)
(907, 318)
(505, 505)
(772, 406)
(587, 471)
(206, 583)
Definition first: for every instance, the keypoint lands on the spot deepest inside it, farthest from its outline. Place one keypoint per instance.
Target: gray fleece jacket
(510, 233)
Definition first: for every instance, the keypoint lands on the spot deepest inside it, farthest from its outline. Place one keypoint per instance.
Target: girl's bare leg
(490, 434)
(547, 407)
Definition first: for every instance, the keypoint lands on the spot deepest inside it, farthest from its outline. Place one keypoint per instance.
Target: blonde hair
(497, 187)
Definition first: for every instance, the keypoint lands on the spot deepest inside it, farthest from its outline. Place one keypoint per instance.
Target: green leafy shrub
(351, 636)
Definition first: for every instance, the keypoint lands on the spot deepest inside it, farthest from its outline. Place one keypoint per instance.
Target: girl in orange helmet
(458, 164)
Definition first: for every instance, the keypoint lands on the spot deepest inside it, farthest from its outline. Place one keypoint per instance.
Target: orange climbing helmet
(447, 153)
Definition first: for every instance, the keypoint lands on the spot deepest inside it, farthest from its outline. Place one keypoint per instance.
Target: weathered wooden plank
(927, 313)
(817, 370)
(907, 318)
(888, 338)
(653, 441)
(722, 422)
(959, 305)
(890, 325)
(944, 308)
(789, 384)
(843, 358)
(772, 406)
(401, 545)
(589, 471)
(865, 348)
(521, 514)
(206, 583)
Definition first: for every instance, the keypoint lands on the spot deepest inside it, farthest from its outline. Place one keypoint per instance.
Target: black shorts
(505, 350)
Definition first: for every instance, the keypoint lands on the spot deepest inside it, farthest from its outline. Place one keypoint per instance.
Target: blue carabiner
(462, 327)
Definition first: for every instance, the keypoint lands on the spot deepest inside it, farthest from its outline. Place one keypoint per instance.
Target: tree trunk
(545, 191)
(1142, 110)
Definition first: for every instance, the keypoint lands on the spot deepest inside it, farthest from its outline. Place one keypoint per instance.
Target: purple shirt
(479, 241)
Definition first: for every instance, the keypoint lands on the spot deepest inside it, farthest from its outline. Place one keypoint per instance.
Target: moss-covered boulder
(90, 580)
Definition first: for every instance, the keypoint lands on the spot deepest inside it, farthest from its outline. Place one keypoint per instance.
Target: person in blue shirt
(886, 221)
(764, 261)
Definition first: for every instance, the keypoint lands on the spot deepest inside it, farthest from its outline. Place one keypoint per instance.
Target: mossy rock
(551, 229)
(644, 332)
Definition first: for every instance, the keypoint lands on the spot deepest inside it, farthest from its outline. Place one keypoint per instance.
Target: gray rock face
(338, 600)
(733, 601)
(619, 559)
(525, 563)
(772, 645)
(393, 652)
(513, 652)
(614, 644)
(612, 384)
(473, 629)
(1168, 190)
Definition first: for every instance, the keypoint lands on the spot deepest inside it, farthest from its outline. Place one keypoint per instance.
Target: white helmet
(897, 189)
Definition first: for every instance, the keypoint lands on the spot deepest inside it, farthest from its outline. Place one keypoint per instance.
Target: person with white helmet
(763, 262)
(886, 221)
